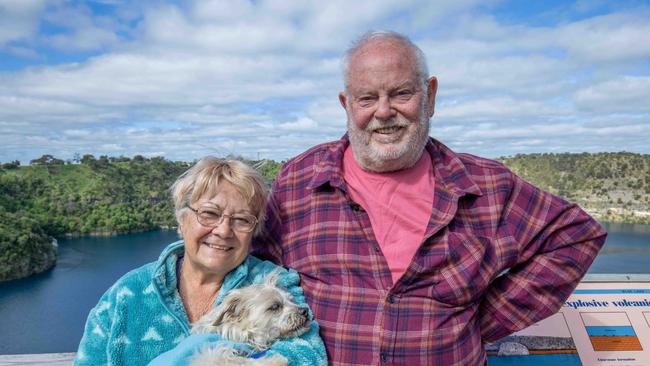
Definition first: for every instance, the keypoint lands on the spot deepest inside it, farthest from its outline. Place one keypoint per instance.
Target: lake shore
(619, 215)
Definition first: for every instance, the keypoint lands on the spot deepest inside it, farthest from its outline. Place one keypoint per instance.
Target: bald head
(378, 41)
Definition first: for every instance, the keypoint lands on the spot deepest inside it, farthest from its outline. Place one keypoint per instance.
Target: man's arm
(558, 243)
(268, 244)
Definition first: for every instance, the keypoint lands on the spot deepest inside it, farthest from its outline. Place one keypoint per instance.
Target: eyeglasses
(213, 216)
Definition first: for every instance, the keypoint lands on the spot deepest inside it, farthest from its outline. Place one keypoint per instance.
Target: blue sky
(259, 79)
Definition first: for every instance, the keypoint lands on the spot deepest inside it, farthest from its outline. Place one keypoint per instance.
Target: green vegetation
(612, 187)
(98, 196)
(25, 249)
(104, 196)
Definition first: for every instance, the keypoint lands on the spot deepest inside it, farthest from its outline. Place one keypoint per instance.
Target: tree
(46, 159)
(87, 159)
(24, 247)
(11, 165)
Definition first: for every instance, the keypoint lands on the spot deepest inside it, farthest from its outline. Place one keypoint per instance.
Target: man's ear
(342, 100)
(432, 89)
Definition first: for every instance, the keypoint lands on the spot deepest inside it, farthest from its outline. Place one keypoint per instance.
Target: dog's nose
(304, 312)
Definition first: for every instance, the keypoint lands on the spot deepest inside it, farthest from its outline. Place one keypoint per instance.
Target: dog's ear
(229, 309)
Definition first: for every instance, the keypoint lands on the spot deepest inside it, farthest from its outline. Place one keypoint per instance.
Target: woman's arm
(93, 348)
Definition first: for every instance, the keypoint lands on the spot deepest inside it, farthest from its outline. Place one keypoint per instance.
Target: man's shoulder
(314, 154)
(488, 174)
(472, 164)
(471, 172)
(479, 162)
(305, 163)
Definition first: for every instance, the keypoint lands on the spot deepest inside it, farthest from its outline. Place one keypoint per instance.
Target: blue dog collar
(258, 354)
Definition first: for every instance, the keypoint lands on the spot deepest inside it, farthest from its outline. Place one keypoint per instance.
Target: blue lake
(46, 313)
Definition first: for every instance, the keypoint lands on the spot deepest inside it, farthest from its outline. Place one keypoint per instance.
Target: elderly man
(410, 253)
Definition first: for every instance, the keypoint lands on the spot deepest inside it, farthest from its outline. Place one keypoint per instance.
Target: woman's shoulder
(140, 279)
(135, 280)
(260, 269)
(260, 266)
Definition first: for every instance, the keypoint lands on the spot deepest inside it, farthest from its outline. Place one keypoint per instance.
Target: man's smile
(387, 130)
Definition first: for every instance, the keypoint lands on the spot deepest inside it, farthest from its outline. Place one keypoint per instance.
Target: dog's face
(258, 315)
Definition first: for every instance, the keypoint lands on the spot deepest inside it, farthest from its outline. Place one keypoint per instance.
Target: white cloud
(608, 38)
(626, 94)
(300, 124)
(112, 147)
(19, 19)
(80, 29)
(82, 39)
(262, 78)
(491, 108)
(76, 133)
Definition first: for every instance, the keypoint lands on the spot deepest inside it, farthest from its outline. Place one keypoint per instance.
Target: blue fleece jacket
(142, 314)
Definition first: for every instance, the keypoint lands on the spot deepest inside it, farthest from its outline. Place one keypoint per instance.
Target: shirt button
(383, 357)
(391, 299)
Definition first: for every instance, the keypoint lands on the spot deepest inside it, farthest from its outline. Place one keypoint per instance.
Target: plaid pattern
(451, 299)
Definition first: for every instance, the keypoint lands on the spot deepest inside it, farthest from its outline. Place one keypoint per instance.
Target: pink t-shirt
(399, 205)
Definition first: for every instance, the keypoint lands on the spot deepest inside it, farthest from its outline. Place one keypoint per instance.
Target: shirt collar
(449, 170)
(329, 169)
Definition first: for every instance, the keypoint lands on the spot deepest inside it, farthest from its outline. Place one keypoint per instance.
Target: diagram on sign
(646, 315)
(546, 343)
(611, 332)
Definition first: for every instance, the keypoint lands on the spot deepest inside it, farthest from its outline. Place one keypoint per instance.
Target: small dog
(258, 315)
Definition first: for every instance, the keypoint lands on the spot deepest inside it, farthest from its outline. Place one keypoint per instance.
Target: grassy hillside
(24, 248)
(611, 186)
(102, 197)
(117, 195)
(96, 197)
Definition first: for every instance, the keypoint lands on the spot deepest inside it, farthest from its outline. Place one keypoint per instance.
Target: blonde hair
(204, 178)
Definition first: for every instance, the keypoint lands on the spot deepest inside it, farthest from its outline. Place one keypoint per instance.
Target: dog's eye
(275, 307)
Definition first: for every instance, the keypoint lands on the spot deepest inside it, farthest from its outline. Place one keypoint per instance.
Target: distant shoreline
(115, 233)
(619, 215)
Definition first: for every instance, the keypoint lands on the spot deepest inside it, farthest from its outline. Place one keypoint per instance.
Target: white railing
(41, 359)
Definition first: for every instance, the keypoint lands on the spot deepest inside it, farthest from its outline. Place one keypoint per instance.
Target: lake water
(46, 313)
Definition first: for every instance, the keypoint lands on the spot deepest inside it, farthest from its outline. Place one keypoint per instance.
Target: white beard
(376, 157)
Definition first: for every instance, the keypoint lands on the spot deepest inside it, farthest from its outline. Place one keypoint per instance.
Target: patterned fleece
(142, 315)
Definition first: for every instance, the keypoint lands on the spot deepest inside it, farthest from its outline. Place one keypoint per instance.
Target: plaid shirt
(452, 298)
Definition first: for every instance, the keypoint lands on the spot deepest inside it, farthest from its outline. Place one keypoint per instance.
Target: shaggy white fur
(258, 315)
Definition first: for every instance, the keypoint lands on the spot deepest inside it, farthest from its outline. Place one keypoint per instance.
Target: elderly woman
(219, 206)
